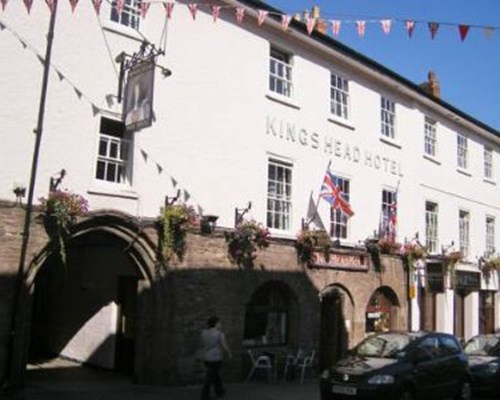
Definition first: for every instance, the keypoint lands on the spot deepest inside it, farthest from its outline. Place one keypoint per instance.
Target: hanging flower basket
(412, 252)
(309, 241)
(452, 259)
(488, 266)
(244, 241)
(175, 220)
(59, 213)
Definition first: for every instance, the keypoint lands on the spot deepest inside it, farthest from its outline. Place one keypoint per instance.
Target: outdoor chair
(291, 362)
(260, 362)
(305, 363)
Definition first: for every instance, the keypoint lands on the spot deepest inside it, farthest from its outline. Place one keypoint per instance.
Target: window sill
(342, 122)
(113, 191)
(432, 159)
(463, 171)
(282, 100)
(489, 181)
(122, 30)
(281, 234)
(390, 142)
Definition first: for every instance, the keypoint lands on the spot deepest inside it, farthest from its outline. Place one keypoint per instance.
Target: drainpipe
(17, 331)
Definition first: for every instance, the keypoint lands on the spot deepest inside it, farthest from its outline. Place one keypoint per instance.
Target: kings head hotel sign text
(351, 262)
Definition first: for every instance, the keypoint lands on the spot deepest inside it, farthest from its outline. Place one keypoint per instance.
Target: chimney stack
(432, 85)
(321, 25)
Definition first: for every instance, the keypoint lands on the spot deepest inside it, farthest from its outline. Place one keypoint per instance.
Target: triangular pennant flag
(285, 21)
(144, 155)
(78, 93)
(174, 182)
(97, 6)
(386, 26)
(119, 6)
(144, 9)
(361, 27)
(336, 27)
(4, 4)
(28, 4)
(187, 196)
(310, 22)
(95, 109)
(59, 75)
(200, 210)
(169, 8)
(73, 4)
(488, 32)
(215, 12)
(23, 43)
(40, 58)
(240, 14)
(261, 16)
(463, 30)
(159, 168)
(2, 26)
(433, 28)
(410, 27)
(193, 7)
(51, 4)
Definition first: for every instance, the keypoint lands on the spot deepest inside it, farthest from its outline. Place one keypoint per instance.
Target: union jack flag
(331, 192)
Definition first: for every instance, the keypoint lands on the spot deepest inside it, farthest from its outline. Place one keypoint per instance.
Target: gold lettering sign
(352, 262)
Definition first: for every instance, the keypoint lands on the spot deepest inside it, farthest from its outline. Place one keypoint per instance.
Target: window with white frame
(431, 227)
(430, 140)
(462, 151)
(389, 214)
(280, 72)
(338, 219)
(490, 237)
(339, 96)
(488, 162)
(463, 232)
(130, 14)
(279, 195)
(113, 164)
(388, 117)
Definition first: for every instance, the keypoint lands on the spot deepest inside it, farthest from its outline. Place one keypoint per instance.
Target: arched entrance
(337, 312)
(86, 309)
(382, 311)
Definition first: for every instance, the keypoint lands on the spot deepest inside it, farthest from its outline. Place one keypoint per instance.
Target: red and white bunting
(28, 4)
(285, 21)
(215, 12)
(386, 26)
(410, 27)
(488, 32)
(336, 27)
(193, 8)
(119, 6)
(433, 28)
(97, 6)
(240, 14)
(73, 4)
(463, 30)
(361, 27)
(261, 16)
(51, 4)
(169, 8)
(144, 9)
(310, 23)
(4, 4)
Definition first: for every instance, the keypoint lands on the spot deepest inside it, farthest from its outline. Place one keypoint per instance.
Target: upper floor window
(129, 16)
(431, 227)
(488, 163)
(430, 140)
(280, 72)
(490, 237)
(279, 195)
(389, 214)
(388, 118)
(464, 230)
(339, 96)
(462, 151)
(113, 164)
(338, 217)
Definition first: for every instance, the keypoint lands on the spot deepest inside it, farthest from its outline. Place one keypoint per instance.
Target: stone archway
(337, 316)
(382, 311)
(89, 308)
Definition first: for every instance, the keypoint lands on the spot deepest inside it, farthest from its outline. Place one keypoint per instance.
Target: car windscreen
(481, 345)
(388, 345)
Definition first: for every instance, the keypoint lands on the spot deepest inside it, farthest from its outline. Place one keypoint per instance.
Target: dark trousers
(212, 378)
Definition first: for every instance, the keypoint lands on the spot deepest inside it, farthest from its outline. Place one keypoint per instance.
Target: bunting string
(310, 24)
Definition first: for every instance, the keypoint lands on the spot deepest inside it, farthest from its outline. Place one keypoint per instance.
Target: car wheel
(406, 394)
(465, 391)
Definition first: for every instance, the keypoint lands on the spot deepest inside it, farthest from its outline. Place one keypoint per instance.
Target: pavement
(79, 383)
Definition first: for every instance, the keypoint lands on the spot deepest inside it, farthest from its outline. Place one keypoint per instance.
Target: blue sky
(469, 71)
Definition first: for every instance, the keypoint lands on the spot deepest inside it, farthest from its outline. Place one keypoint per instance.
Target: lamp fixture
(208, 223)
(20, 192)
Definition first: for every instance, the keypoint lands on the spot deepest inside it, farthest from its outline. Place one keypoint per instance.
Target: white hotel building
(253, 113)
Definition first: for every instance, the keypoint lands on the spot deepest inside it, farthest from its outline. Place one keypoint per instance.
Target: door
(333, 332)
(125, 341)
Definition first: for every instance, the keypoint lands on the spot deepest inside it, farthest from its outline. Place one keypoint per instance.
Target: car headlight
(325, 374)
(381, 380)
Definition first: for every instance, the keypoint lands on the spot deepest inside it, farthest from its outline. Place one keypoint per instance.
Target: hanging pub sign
(434, 272)
(138, 102)
(468, 281)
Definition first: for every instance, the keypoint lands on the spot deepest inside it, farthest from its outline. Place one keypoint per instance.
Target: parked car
(484, 362)
(400, 365)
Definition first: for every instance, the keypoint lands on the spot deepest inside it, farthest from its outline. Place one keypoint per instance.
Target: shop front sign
(468, 281)
(434, 272)
(351, 262)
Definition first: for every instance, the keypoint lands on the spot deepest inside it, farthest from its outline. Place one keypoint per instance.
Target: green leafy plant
(310, 240)
(376, 247)
(489, 265)
(245, 240)
(60, 211)
(452, 259)
(175, 221)
(412, 252)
